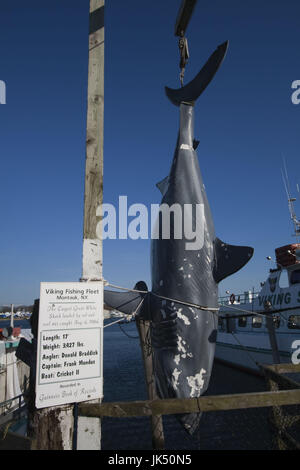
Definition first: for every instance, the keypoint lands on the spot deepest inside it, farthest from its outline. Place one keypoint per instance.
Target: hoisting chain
(184, 56)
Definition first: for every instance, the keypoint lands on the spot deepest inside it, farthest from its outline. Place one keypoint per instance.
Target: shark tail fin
(127, 302)
(229, 259)
(190, 92)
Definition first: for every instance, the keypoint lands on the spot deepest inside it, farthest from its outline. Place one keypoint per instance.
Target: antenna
(291, 201)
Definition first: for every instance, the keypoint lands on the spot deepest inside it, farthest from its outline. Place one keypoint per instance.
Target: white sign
(70, 343)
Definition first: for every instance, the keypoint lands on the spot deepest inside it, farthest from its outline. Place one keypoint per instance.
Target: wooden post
(89, 429)
(93, 197)
(52, 428)
(143, 327)
(273, 339)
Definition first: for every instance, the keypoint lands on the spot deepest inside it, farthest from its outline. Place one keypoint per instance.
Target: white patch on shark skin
(190, 355)
(189, 276)
(186, 147)
(196, 383)
(183, 317)
(177, 359)
(193, 312)
(180, 269)
(175, 376)
(180, 346)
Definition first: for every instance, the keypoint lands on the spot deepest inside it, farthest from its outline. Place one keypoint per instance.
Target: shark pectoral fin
(195, 144)
(163, 185)
(229, 259)
(127, 302)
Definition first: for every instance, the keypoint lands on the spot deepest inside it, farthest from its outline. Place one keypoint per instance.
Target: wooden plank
(284, 368)
(286, 382)
(192, 405)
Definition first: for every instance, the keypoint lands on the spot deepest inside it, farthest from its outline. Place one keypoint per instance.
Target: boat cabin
(279, 294)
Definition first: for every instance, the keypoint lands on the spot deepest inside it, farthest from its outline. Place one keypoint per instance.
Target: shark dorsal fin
(229, 259)
(163, 185)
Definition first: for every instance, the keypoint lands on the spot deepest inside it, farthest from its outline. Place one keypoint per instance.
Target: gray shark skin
(183, 337)
(185, 274)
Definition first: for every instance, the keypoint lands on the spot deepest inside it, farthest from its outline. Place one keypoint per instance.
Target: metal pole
(12, 316)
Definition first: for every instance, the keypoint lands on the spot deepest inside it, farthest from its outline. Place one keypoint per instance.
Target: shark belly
(183, 344)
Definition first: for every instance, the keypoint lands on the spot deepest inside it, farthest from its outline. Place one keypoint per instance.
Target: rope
(113, 323)
(133, 314)
(6, 429)
(245, 349)
(106, 283)
(247, 311)
(126, 334)
(188, 304)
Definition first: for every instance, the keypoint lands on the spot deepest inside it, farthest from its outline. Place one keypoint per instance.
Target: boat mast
(291, 201)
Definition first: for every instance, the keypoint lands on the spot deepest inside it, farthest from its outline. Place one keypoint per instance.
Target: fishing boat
(246, 336)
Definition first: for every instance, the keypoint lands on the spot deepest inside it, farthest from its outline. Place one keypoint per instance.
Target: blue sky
(245, 122)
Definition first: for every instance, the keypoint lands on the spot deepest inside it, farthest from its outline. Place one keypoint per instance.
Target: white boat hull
(247, 358)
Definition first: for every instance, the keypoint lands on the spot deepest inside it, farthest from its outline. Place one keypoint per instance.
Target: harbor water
(124, 381)
(224, 430)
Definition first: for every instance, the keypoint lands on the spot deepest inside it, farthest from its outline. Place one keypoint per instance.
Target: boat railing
(12, 409)
(238, 299)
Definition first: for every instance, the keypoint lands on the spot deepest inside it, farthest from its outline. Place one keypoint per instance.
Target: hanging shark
(183, 302)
